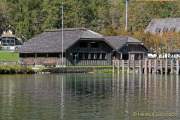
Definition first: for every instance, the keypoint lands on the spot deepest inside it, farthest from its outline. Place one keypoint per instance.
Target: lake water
(89, 97)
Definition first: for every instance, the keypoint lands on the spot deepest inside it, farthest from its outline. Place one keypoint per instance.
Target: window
(4, 42)
(173, 29)
(89, 44)
(41, 55)
(95, 56)
(104, 56)
(94, 45)
(85, 56)
(158, 30)
(125, 56)
(54, 55)
(75, 56)
(7, 41)
(98, 56)
(92, 56)
(83, 44)
(11, 43)
(21, 55)
(165, 29)
(89, 56)
(81, 56)
(24, 55)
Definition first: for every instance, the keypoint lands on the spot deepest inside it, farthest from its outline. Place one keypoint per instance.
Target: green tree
(4, 16)
(30, 17)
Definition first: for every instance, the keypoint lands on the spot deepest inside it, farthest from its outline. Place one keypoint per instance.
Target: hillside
(30, 17)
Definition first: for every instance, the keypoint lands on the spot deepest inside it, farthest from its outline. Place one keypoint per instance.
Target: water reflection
(177, 94)
(89, 96)
(62, 98)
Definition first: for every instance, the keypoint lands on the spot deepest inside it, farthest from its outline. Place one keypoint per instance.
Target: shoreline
(18, 69)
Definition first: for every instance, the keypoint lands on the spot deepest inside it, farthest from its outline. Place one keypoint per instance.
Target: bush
(0, 47)
(15, 69)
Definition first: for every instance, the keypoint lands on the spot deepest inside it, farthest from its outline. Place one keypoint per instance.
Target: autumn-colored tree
(30, 17)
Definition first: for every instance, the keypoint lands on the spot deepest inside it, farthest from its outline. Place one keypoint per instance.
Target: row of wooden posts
(162, 66)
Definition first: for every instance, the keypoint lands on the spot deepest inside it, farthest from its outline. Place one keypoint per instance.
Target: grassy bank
(15, 69)
(9, 56)
(108, 71)
(83, 69)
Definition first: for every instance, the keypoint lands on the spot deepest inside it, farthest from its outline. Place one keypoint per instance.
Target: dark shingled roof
(119, 41)
(164, 24)
(50, 40)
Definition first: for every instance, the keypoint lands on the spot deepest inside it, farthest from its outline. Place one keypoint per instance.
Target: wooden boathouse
(81, 47)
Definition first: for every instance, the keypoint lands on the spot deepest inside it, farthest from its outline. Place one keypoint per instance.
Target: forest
(30, 17)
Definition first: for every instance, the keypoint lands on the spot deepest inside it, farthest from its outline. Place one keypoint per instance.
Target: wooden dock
(162, 66)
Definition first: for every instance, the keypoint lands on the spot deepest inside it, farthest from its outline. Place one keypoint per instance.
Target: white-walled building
(10, 42)
(163, 25)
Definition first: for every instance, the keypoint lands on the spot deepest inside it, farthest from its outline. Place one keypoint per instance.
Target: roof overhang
(93, 39)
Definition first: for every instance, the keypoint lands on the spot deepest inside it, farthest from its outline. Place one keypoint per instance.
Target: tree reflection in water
(88, 96)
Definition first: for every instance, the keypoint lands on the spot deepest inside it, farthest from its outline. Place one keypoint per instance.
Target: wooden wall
(102, 48)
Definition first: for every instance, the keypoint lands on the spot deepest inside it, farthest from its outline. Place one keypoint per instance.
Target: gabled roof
(9, 34)
(164, 24)
(119, 41)
(50, 41)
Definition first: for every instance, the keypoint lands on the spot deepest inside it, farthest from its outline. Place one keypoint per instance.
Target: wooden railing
(149, 65)
(40, 61)
(90, 49)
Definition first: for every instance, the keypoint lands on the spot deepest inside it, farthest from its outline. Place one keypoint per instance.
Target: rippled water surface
(89, 97)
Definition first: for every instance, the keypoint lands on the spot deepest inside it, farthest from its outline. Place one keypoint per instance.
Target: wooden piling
(140, 67)
(161, 66)
(128, 67)
(118, 66)
(172, 66)
(145, 66)
(155, 66)
(177, 66)
(149, 66)
(122, 65)
(113, 65)
(133, 66)
(166, 66)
